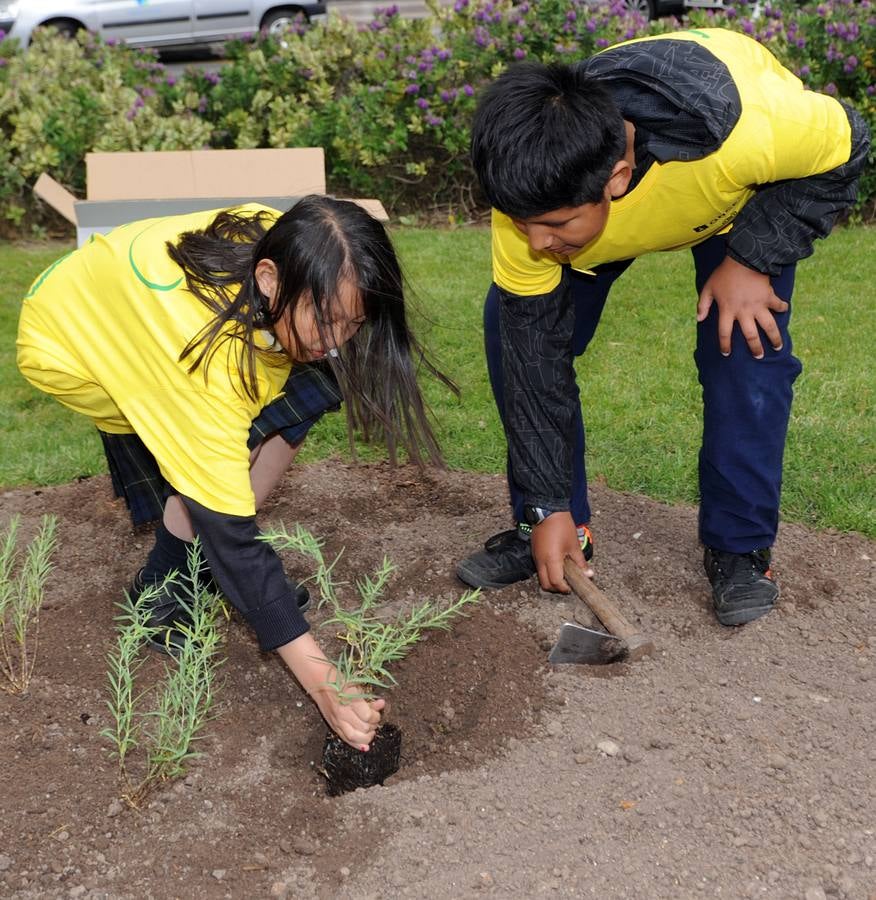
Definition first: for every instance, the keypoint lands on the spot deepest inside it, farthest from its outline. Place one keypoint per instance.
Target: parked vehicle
(155, 23)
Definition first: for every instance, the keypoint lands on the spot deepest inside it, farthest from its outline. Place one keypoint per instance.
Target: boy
(656, 144)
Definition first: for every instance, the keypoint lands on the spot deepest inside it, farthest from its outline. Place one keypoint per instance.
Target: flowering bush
(390, 101)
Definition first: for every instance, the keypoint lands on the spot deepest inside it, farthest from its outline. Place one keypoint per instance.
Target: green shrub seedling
(371, 644)
(164, 721)
(21, 599)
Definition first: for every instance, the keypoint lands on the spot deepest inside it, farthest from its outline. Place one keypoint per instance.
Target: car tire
(647, 8)
(65, 27)
(278, 20)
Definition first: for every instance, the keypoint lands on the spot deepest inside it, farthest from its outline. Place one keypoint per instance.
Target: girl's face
(343, 319)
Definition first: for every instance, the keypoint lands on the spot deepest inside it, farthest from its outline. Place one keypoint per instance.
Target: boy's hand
(552, 541)
(746, 297)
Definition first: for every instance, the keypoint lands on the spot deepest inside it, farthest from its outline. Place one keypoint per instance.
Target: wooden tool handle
(602, 607)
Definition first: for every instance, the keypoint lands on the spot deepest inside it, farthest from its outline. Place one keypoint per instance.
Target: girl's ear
(267, 279)
(619, 180)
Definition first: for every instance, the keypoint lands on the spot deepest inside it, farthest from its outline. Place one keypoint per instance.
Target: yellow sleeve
(516, 267)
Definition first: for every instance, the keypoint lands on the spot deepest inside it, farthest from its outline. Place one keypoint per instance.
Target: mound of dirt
(735, 763)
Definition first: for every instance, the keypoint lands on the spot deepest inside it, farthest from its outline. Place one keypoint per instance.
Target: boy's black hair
(316, 245)
(545, 137)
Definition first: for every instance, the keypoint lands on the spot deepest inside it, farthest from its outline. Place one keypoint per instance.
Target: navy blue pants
(746, 406)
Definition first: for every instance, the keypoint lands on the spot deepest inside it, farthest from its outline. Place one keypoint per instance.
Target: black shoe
(505, 559)
(742, 586)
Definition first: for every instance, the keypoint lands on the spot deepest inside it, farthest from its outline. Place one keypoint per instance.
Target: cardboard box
(125, 187)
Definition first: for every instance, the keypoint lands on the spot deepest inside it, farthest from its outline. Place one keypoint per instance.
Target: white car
(155, 23)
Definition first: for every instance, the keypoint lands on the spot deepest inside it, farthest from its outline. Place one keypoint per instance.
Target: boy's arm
(779, 224)
(540, 392)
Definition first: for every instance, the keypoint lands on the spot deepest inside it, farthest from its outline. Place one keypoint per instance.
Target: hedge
(390, 100)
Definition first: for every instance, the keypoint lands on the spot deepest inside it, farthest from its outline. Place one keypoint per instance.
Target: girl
(204, 347)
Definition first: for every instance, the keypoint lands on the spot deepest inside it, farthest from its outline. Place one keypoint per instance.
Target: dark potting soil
(345, 768)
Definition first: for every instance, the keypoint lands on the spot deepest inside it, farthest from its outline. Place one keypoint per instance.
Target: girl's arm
(354, 722)
(251, 576)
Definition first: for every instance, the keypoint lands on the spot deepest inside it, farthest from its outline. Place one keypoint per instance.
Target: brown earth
(736, 763)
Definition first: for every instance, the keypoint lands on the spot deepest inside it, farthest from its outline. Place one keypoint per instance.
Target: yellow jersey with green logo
(102, 330)
(677, 203)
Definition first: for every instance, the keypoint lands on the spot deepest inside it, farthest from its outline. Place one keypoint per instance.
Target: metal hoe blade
(584, 646)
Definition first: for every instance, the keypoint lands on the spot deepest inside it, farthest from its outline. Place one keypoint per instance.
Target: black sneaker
(505, 559)
(742, 585)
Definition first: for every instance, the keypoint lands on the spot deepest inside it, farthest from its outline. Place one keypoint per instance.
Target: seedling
(370, 645)
(21, 599)
(163, 721)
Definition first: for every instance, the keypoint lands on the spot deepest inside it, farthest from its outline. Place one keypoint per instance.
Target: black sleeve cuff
(277, 623)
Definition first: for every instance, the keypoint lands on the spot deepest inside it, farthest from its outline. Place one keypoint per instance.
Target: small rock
(555, 729)
(581, 759)
(634, 754)
(303, 847)
(609, 748)
(218, 874)
(345, 872)
(62, 836)
(115, 808)
(77, 891)
(5, 862)
(484, 880)
(815, 893)
(279, 889)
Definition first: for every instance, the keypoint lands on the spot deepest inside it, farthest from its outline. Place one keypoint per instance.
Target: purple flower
(448, 96)
(423, 103)
(460, 5)
(443, 55)
(871, 90)
(519, 53)
(590, 25)
(601, 42)
(412, 89)
(434, 120)
(212, 77)
(830, 89)
(171, 80)
(851, 64)
(468, 90)
(380, 54)
(804, 71)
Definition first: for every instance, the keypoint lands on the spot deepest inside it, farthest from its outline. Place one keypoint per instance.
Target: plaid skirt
(310, 391)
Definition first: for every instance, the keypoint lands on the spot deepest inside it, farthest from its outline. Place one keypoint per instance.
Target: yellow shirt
(679, 204)
(102, 330)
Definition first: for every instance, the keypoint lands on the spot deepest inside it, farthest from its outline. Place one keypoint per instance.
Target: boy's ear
(619, 180)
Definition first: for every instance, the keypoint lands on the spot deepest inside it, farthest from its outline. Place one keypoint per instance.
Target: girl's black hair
(316, 245)
(545, 137)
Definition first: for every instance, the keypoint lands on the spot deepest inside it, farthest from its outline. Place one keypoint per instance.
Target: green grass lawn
(638, 379)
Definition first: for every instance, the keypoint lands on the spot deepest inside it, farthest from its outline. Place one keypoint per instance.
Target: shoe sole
(467, 576)
(744, 616)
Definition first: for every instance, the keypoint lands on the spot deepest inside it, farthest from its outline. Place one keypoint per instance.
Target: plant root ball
(346, 768)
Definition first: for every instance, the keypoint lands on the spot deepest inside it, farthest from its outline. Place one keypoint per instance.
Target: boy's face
(567, 230)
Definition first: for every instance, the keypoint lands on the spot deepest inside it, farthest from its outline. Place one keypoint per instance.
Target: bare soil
(735, 763)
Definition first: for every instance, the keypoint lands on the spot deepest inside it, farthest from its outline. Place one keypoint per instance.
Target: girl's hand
(354, 722)
(746, 297)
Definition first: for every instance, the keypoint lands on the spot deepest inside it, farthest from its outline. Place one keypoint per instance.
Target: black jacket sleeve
(249, 573)
(778, 225)
(540, 393)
